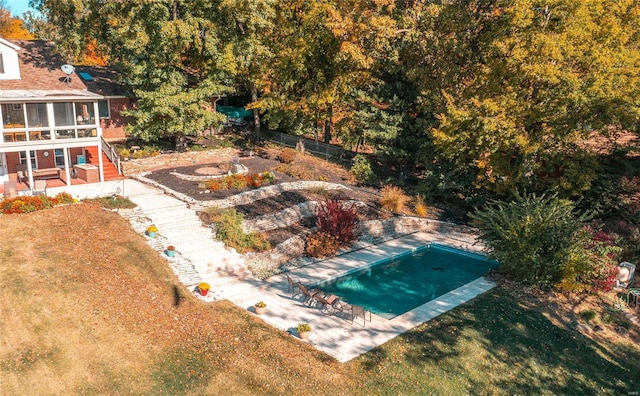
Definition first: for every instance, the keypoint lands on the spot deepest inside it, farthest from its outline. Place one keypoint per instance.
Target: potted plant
(304, 330)
(203, 288)
(171, 251)
(152, 230)
(260, 307)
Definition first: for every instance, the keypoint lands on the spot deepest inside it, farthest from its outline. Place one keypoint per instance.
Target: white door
(4, 172)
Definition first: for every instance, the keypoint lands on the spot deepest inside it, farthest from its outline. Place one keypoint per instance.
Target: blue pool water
(394, 286)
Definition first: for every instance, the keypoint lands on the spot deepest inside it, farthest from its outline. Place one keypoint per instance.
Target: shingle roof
(40, 69)
(41, 75)
(104, 81)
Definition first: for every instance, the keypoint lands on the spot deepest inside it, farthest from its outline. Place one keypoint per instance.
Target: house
(56, 121)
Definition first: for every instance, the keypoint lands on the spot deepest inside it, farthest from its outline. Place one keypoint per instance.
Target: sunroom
(49, 138)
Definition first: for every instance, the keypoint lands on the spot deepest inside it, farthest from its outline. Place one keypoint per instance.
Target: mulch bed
(313, 167)
(267, 162)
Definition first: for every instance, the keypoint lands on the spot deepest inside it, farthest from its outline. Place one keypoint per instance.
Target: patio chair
(22, 173)
(328, 303)
(293, 286)
(633, 299)
(39, 187)
(10, 189)
(624, 278)
(308, 294)
(360, 311)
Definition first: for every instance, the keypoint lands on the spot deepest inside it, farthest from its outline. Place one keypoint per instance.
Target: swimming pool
(397, 285)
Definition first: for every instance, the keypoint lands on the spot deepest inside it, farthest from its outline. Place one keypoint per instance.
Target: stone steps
(156, 202)
(178, 221)
(198, 257)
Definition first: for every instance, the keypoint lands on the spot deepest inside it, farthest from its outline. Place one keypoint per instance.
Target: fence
(317, 149)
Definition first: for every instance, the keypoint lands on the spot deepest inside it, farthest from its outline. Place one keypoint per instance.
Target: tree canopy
(486, 96)
(12, 28)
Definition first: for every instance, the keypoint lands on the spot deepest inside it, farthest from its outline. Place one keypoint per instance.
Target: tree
(168, 52)
(324, 50)
(510, 89)
(250, 25)
(12, 28)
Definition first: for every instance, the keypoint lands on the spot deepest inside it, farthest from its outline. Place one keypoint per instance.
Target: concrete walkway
(333, 335)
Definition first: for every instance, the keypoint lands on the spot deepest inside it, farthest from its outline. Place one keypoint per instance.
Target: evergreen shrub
(361, 169)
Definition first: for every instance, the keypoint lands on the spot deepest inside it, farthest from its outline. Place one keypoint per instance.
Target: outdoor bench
(46, 173)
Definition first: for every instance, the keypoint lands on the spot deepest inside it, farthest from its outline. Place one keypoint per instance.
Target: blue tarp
(234, 112)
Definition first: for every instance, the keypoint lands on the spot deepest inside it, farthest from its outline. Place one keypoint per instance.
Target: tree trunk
(181, 143)
(358, 144)
(316, 127)
(256, 115)
(327, 126)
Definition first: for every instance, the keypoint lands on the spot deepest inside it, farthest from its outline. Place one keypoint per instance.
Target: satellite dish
(67, 69)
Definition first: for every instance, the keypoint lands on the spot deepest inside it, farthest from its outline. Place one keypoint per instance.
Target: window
(13, 115)
(37, 115)
(23, 159)
(1, 63)
(103, 109)
(84, 113)
(63, 114)
(59, 156)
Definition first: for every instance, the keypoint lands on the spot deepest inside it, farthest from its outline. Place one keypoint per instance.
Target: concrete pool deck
(335, 335)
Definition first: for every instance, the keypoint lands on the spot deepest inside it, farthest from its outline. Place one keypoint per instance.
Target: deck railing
(111, 153)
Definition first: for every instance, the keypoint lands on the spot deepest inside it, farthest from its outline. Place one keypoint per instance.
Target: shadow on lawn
(499, 343)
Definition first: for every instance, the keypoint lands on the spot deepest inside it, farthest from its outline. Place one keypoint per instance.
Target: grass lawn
(88, 308)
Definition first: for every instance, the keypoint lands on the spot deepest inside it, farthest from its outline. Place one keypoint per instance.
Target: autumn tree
(249, 26)
(12, 28)
(510, 88)
(324, 52)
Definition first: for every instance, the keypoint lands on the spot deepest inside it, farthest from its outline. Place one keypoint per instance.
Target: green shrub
(588, 315)
(361, 169)
(537, 239)
(229, 230)
(287, 155)
(393, 199)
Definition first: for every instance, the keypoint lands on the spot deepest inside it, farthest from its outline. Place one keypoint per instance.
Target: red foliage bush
(600, 274)
(338, 219)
